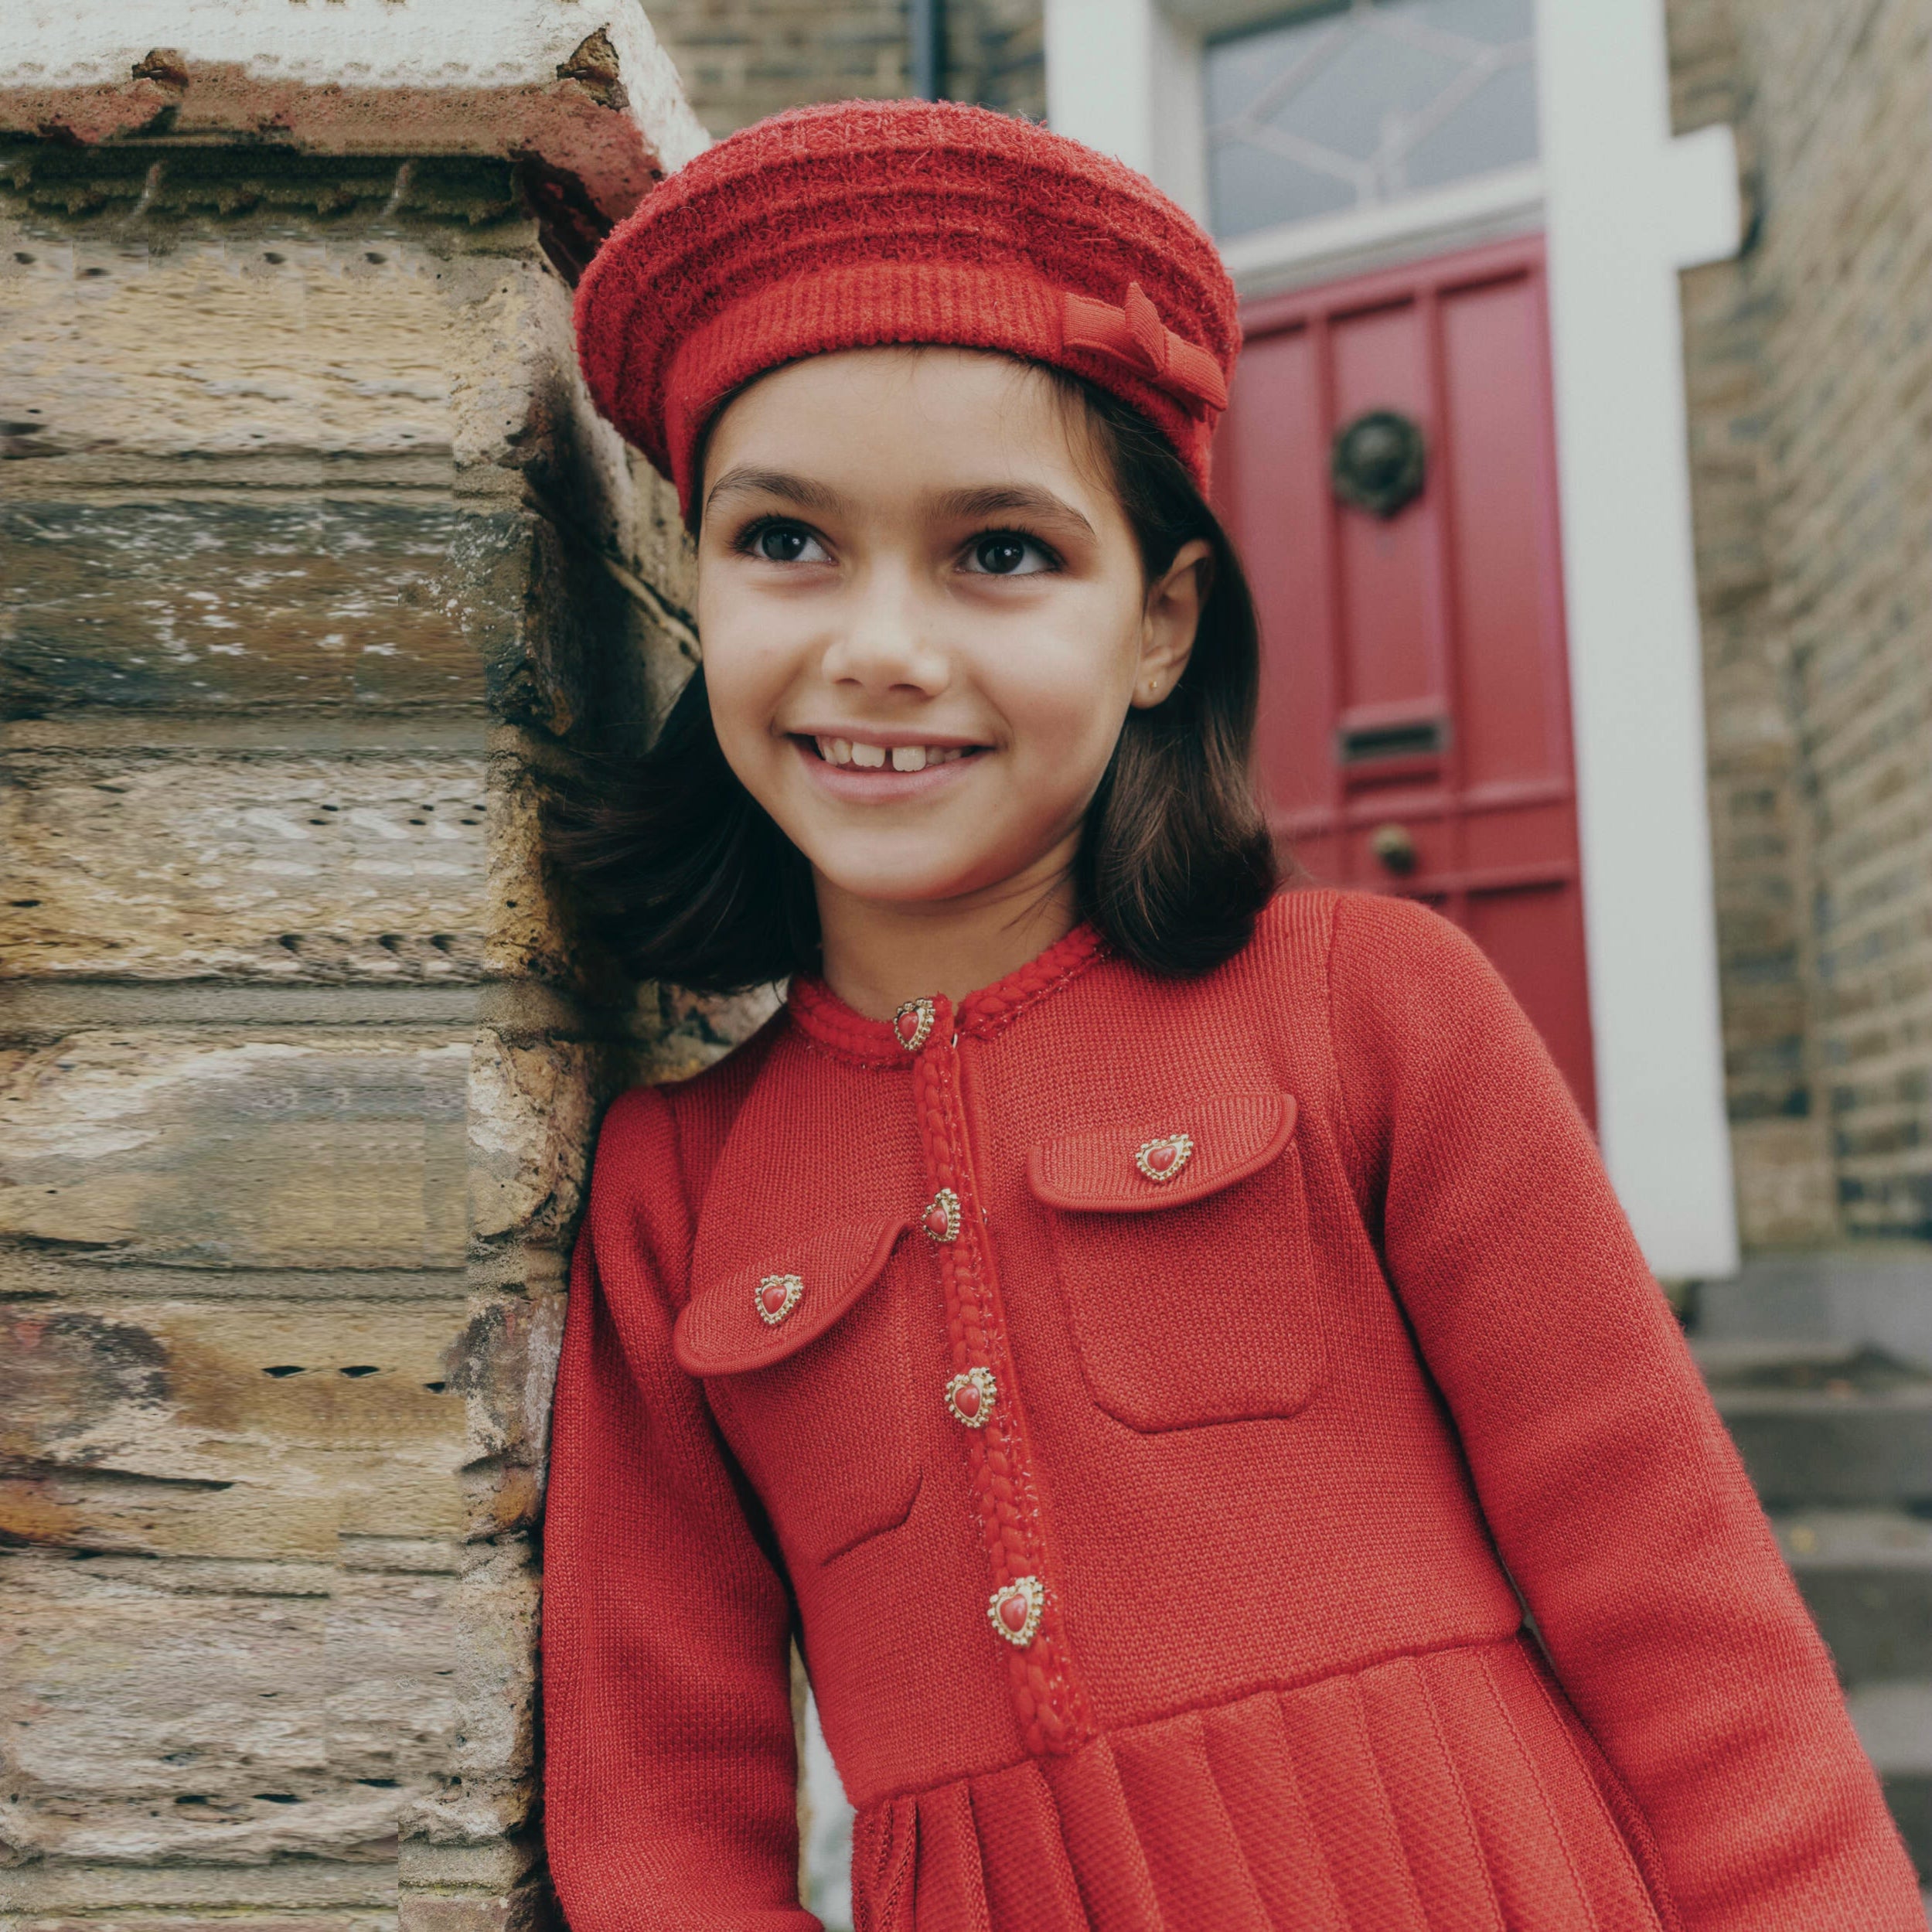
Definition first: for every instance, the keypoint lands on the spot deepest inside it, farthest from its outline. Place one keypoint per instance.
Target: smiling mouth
(854, 754)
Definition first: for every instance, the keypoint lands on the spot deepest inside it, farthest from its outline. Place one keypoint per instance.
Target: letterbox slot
(1378, 744)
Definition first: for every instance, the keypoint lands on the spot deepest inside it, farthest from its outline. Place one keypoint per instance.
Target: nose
(888, 641)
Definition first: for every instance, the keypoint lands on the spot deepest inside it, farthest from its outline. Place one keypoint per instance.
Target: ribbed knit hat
(867, 222)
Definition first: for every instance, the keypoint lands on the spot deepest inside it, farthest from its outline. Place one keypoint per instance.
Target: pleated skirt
(1452, 1791)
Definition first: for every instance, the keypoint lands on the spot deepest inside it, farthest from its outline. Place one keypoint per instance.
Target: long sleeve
(1616, 1499)
(669, 1791)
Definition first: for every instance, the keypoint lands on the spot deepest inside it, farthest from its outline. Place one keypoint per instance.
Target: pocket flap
(1194, 1150)
(730, 1325)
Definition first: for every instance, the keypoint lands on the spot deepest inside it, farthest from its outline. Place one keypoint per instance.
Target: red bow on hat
(1135, 335)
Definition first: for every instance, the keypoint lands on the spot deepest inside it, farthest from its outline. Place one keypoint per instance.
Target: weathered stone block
(531, 1110)
(232, 1429)
(280, 867)
(488, 1790)
(504, 1365)
(214, 603)
(333, 1149)
(232, 345)
(531, 1908)
(215, 1919)
(408, 600)
(218, 1713)
(88, 1890)
(684, 1033)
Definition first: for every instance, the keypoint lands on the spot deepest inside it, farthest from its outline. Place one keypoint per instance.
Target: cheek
(746, 667)
(1066, 695)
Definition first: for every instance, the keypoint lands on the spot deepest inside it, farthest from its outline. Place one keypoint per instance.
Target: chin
(909, 879)
(893, 885)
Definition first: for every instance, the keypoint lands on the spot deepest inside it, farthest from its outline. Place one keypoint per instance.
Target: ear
(1169, 620)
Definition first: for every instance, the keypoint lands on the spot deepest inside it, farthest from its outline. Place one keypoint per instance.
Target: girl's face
(923, 616)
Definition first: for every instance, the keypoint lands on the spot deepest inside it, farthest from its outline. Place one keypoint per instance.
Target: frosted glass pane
(1250, 189)
(1495, 128)
(1237, 70)
(1350, 106)
(1345, 108)
(1498, 21)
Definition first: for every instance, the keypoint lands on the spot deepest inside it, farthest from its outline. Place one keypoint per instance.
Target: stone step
(1894, 1723)
(1839, 1299)
(1840, 1428)
(1867, 1575)
(1875, 1452)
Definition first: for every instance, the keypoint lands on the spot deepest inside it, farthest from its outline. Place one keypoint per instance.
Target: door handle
(1394, 847)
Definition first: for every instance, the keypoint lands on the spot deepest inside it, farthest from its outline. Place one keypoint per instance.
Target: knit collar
(829, 1021)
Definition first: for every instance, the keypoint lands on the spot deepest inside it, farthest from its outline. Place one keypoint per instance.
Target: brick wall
(316, 567)
(1809, 361)
(741, 59)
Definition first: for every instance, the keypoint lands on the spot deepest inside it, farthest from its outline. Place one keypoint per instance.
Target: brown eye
(1004, 555)
(781, 543)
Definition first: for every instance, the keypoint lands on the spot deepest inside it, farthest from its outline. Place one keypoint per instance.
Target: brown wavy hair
(688, 880)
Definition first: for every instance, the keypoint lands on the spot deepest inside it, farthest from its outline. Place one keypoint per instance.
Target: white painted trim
(1701, 200)
(1489, 208)
(1128, 80)
(366, 43)
(1628, 206)
(1624, 206)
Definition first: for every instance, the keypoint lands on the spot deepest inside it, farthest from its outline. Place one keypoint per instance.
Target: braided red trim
(827, 1018)
(823, 1016)
(993, 1008)
(1046, 1694)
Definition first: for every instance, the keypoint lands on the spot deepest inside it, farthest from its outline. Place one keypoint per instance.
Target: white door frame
(1624, 206)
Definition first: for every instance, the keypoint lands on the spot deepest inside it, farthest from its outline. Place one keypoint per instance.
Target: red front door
(1415, 727)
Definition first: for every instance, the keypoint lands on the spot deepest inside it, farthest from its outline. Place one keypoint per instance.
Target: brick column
(316, 565)
(1808, 360)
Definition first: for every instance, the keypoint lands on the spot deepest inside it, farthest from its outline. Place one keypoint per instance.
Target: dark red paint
(1448, 617)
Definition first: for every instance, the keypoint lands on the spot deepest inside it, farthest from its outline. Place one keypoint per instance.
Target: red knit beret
(867, 222)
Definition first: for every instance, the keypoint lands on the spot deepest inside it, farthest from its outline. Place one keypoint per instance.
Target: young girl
(1155, 1341)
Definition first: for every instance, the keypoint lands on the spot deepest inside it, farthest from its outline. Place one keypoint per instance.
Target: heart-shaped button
(1163, 1157)
(913, 1023)
(777, 1295)
(970, 1398)
(942, 1220)
(1014, 1609)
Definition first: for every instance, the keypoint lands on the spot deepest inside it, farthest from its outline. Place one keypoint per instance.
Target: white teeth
(873, 757)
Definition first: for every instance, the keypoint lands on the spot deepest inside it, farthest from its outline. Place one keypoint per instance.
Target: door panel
(1415, 728)
(1513, 726)
(1388, 570)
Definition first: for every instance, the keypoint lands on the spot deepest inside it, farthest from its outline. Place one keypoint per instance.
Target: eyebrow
(801, 490)
(1028, 498)
(989, 499)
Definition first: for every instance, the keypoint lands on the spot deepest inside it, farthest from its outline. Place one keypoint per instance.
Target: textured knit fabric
(868, 222)
(1263, 1427)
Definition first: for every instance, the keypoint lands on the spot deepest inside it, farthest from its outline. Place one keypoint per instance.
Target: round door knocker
(1378, 463)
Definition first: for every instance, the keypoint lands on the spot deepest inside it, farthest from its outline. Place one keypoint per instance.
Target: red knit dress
(1142, 1396)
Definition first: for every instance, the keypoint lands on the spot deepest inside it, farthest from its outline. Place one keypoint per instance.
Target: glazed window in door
(1415, 728)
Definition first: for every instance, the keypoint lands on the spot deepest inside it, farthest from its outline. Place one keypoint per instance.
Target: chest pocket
(805, 1358)
(1183, 1253)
